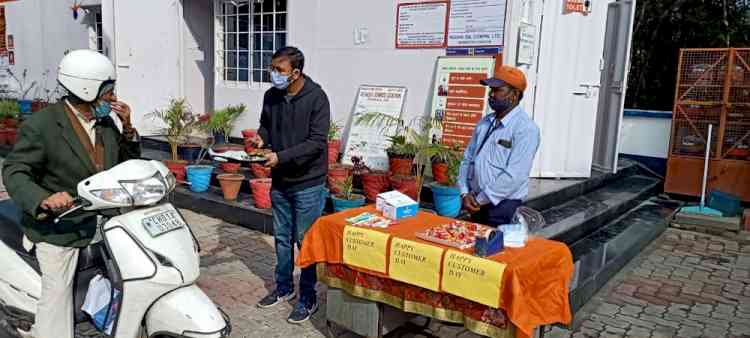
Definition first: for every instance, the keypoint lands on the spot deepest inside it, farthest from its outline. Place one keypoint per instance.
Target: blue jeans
(293, 214)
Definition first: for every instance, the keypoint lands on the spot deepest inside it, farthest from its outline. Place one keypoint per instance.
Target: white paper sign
(422, 25)
(477, 23)
(526, 44)
(370, 142)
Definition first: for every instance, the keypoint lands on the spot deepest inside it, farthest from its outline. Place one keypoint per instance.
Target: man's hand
(257, 141)
(471, 204)
(271, 160)
(58, 201)
(122, 110)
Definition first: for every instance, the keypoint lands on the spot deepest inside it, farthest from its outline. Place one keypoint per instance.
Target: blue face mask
(102, 109)
(499, 106)
(279, 81)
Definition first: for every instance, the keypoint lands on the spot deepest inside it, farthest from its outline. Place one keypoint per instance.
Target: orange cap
(511, 76)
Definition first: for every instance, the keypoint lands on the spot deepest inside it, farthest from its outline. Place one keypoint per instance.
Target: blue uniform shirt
(500, 169)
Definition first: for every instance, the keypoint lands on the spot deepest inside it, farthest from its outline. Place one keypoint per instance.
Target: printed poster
(422, 25)
(370, 142)
(459, 100)
(477, 23)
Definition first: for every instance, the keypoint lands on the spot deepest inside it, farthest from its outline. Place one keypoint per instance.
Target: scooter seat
(11, 234)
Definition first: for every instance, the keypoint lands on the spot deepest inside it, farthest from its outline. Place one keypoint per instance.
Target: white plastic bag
(516, 234)
(101, 303)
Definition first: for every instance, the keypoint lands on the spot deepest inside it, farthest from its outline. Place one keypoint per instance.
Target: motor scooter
(146, 250)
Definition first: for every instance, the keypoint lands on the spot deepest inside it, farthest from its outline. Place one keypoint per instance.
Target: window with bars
(248, 33)
(99, 44)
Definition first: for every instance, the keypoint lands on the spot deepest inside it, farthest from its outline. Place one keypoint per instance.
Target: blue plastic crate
(728, 204)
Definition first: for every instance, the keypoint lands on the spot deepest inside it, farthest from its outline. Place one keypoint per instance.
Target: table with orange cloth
(534, 287)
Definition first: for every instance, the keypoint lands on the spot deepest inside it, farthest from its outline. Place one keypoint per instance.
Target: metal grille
(691, 129)
(737, 133)
(702, 76)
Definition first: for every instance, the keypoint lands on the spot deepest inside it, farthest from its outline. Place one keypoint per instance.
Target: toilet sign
(578, 6)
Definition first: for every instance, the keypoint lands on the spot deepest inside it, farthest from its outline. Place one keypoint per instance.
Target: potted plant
(23, 91)
(9, 111)
(337, 174)
(446, 194)
(345, 199)
(359, 168)
(179, 121)
(400, 156)
(413, 139)
(220, 122)
(334, 142)
(441, 162)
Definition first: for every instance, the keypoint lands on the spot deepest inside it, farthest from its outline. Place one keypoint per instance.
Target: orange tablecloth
(535, 282)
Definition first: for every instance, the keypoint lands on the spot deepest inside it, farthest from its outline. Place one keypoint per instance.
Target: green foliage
(662, 27)
(413, 138)
(179, 120)
(346, 187)
(334, 131)
(451, 155)
(223, 120)
(9, 109)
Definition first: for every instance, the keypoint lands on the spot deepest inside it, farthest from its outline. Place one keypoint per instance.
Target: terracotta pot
(259, 171)
(334, 148)
(249, 133)
(230, 185)
(400, 166)
(249, 146)
(224, 147)
(440, 172)
(12, 136)
(177, 168)
(261, 189)
(231, 167)
(374, 183)
(406, 185)
(10, 123)
(337, 175)
(4, 136)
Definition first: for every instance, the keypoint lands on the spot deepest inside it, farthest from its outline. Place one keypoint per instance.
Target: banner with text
(477, 23)
(422, 25)
(365, 248)
(459, 100)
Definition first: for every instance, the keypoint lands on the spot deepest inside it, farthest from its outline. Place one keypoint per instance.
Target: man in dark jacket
(87, 132)
(294, 125)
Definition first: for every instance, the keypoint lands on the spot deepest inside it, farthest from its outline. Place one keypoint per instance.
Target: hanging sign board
(422, 25)
(578, 6)
(477, 23)
(526, 44)
(459, 100)
(370, 142)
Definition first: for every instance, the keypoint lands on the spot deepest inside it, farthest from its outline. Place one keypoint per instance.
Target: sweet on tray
(457, 234)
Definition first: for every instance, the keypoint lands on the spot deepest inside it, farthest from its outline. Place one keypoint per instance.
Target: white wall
(324, 30)
(42, 34)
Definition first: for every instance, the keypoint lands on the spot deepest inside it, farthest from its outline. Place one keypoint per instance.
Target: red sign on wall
(578, 6)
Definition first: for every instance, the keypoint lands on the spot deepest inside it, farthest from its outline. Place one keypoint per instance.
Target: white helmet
(83, 71)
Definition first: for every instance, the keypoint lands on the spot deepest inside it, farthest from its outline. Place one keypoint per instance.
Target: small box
(489, 245)
(397, 206)
(383, 198)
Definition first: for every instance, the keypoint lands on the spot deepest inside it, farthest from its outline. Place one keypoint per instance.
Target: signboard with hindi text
(415, 263)
(458, 99)
(370, 142)
(365, 248)
(474, 278)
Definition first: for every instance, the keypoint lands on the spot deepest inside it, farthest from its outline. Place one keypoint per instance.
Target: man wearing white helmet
(86, 132)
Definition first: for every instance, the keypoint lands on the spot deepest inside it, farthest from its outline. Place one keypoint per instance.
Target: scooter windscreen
(129, 184)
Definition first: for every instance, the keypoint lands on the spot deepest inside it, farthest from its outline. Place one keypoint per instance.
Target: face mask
(499, 106)
(280, 81)
(102, 109)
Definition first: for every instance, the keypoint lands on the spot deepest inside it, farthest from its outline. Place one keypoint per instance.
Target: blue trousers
(293, 214)
(500, 214)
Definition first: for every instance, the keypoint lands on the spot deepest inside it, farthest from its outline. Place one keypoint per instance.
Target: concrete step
(601, 254)
(584, 214)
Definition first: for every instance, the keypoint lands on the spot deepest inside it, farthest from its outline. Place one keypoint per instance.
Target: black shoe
(274, 299)
(302, 313)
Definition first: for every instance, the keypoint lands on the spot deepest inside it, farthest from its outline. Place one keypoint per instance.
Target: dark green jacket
(49, 158)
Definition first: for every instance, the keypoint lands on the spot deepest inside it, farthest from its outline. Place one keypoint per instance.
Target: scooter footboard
(187, 312)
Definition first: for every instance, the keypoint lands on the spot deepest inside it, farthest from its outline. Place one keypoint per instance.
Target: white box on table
(396, 206)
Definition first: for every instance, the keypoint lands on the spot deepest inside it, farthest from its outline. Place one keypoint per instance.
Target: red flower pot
(334, 148)
(406, 184)
(10, 122)
(4, 136)
(374, 183)
(337, 175)
(259, 171)
(399, 166)
(177, 168)
(230, 185)
(440, 172)
(249, 133)
(12, 136)
(261, 188)
(231, 167)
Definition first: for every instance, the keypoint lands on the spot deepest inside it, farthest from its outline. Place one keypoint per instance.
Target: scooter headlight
(148, 191)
